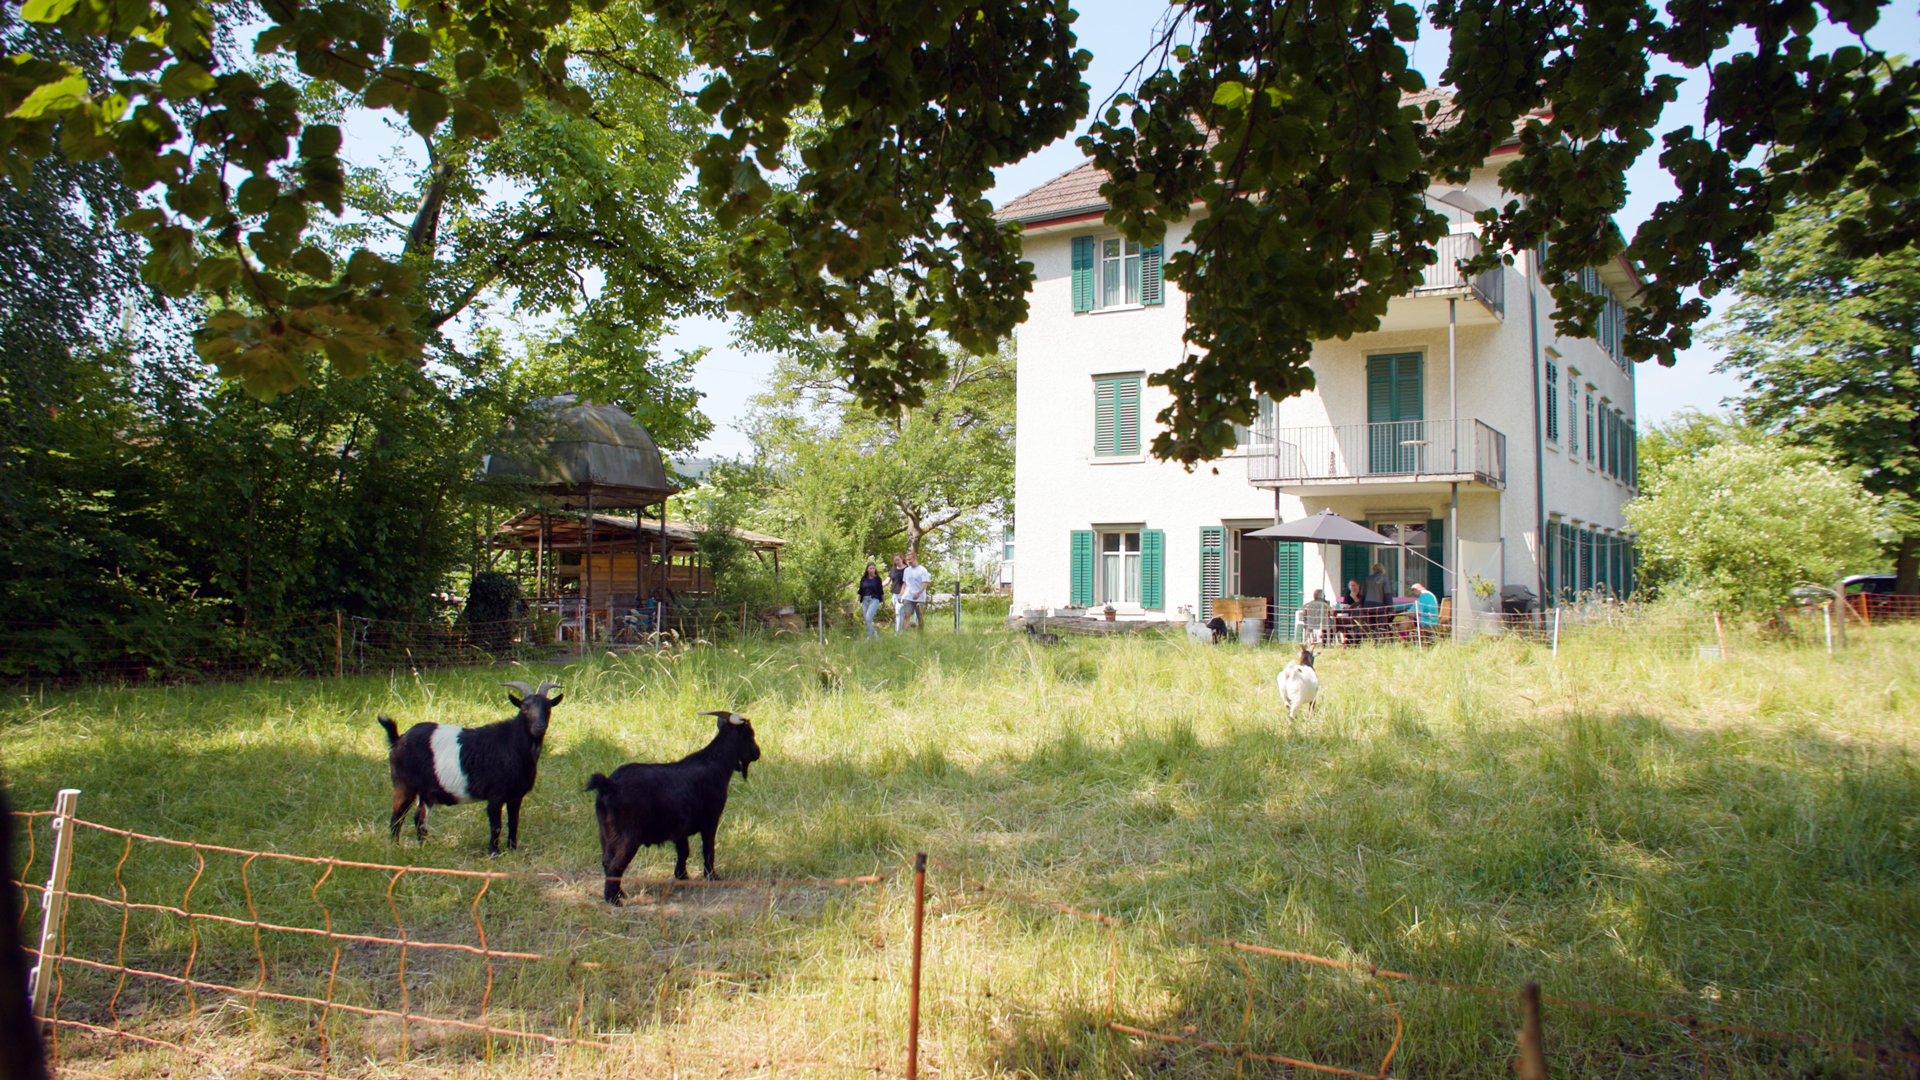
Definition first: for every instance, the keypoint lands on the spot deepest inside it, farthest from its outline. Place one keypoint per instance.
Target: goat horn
(544, 687)
(731, 717)
(525, 690)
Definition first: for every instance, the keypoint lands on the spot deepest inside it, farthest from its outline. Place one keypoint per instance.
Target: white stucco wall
(1061, 486)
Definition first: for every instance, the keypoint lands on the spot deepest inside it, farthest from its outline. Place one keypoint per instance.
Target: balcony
(1425, 307)
(1404, 457)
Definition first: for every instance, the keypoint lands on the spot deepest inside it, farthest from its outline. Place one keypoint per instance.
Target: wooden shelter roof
(592, 452)
(569, 532)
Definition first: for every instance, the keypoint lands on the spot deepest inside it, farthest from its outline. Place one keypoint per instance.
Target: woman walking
(872, 585)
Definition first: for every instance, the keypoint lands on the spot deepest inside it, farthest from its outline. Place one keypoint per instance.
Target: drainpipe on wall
(1539, 436)
(1453, 504)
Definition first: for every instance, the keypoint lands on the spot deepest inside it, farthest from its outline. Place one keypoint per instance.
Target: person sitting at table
(1346, 615)
(1426, 613)
(1316, 617)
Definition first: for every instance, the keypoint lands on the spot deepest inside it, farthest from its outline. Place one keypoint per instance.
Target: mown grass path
(1736, 840)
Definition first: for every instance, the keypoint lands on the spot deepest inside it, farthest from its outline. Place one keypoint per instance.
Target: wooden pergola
(623, 560)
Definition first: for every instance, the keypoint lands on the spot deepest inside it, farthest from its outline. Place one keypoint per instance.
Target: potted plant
(1109, 612)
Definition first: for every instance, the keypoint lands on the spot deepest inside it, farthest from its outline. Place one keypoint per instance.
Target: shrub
(493, 599)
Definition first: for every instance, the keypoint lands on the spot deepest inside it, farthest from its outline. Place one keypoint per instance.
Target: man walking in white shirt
(914, 584)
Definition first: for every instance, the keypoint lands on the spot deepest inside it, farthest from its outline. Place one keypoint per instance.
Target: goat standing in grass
(646, 804)
(440, 764)
(1298, 683)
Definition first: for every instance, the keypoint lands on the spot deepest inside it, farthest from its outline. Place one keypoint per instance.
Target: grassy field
(1735, 840)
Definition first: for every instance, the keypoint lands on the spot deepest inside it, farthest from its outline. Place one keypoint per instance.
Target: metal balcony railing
(1489, 288)
(1408, 449)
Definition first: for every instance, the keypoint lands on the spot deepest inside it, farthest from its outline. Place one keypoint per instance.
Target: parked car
(1872, 595)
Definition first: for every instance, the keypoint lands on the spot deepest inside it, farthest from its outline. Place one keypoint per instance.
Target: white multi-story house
(1464, 428)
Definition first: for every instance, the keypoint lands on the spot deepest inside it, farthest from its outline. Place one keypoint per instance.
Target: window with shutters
(1259, 434)
(1553, 402)
(1114, 272)
(1116, 416)
(1396, 431)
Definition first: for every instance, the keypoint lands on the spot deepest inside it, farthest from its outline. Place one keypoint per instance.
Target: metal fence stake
(1556, 631)
(339, 661)
(1533, 1054)
(913, 987)
(956, 607)
(1826, 611)
(54, 902)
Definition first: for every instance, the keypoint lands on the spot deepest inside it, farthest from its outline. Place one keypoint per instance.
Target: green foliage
(1283, 125)
(1829, 342)
(1744, 523)
(721, 505)
(874, 482)
(493, 601)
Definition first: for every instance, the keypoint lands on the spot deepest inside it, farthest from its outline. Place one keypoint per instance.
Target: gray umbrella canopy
(1325, 527)
(591, 449)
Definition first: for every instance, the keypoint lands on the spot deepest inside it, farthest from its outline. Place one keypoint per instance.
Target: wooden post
(339, 661)
(1533, 1055)
(743, 618)
(913, 987)
(54, 902)
(820, 615)
(1720, 631)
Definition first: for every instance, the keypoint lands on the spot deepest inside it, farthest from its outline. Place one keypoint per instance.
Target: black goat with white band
(441, 764)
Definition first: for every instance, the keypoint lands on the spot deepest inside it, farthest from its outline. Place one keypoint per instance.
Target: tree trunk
(1906, 567)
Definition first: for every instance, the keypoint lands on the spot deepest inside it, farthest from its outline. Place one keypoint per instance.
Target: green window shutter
(1409, 403)
(1569, 561)
(1547, 560)
(1619, 562)
(1080, 590)
(1150, 291)
(1355, 560)
(1126, 416)
(1153, 574)
(1103, 393)
(1116, 416)
(1633, 568)
(1553, 402)
(1213, 543)
(1586, 559)
(1083, 273)
(1437, 551)
(1286, 587)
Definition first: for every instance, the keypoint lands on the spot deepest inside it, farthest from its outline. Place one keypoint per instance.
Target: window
(1112, 272)
(1119, 581)
(1260, 432)
(1591, 455)
(1119, 566)
(1006, 544)
(1573, 413)
(1553, 402)
(1116, 416)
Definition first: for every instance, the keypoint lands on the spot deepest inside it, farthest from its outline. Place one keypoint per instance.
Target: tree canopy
(1743, 524)
(853, 142)
(1829, 343)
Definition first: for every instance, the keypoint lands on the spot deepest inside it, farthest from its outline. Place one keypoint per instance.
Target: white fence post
(1556, 630)
(54, 901)
(1827, 611)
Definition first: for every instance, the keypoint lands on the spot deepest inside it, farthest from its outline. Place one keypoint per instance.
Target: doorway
(1405, 559)
(1252, 565)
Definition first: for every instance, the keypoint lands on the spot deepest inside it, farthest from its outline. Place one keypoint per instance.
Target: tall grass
(1734, 840)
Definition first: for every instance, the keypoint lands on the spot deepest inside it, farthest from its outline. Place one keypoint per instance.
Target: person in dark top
(897, 579)
(872, 587)
(1378, 597)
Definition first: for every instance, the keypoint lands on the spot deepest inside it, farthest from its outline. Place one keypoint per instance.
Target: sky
(1118, 33)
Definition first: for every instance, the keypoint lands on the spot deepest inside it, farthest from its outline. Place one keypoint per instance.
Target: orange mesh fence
(215, 957)
(177, 954)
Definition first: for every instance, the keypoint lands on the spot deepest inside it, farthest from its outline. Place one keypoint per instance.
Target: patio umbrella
(1325, 527)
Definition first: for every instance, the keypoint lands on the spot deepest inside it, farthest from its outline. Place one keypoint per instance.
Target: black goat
(441, 764)
(1044, 637)
(652, 804)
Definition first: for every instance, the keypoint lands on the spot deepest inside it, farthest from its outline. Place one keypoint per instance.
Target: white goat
(1298, 683)
(1197, 631)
